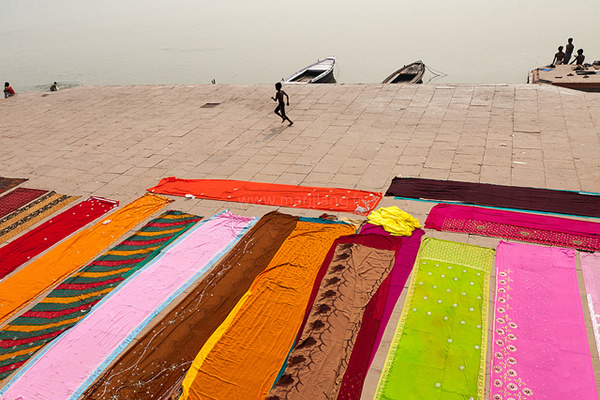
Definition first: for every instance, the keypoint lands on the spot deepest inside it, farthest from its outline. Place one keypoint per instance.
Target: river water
(120, 42)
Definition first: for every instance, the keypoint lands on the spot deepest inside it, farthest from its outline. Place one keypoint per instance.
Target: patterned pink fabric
(590, 264)
(535, 228)
(539, 347)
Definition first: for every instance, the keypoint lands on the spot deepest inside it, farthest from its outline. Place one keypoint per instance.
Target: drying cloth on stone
(439, 348)
(485, 194)
(18, 198)
(155, 364)
(9, 183)
(40, 239)
(317, 281)
(70, 301)
(70, 364)
(19, 289)
(394, 220)
(525, 227)
(316, 366)
(539, 347)
(19, 220)
(261, 329)
(590, 264)
(330, 199)
(378, 313)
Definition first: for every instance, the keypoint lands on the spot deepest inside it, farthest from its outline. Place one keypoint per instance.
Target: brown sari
(316, 366)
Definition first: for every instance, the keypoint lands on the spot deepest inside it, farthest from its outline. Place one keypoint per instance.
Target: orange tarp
(19, 289)
(242, 358)
(273, 194)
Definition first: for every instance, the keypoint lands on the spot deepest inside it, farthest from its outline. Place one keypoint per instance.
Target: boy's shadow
(275, 131)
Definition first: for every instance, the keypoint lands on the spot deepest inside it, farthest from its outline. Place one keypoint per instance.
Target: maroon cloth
(18, 198)
(9, 183)
(378, 313)
(34, 242)
(485, 194)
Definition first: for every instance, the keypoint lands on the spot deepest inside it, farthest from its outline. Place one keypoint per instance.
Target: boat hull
(568, 76)
(409, 74)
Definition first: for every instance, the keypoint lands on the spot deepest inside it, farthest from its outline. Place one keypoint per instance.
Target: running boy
(280, 110)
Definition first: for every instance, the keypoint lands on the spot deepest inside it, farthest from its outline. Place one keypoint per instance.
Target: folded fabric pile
(394, 220)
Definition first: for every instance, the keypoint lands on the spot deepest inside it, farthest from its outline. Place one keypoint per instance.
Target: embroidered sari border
(42, 199)
(590, 265)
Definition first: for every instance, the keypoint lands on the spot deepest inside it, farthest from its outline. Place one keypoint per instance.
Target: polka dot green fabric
(439, 348)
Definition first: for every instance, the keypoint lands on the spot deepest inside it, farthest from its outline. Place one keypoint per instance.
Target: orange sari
(242, 358)
(273, 194)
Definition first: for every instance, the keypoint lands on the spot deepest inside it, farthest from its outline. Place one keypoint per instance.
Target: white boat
(319, 72)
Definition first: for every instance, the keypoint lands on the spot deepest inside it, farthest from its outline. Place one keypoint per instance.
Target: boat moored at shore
(585, 78)
(319, 72)
(411, 73)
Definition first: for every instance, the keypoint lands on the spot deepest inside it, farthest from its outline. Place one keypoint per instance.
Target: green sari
(439, 348)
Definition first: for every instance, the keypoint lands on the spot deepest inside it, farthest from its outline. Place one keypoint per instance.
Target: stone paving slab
(116, 141)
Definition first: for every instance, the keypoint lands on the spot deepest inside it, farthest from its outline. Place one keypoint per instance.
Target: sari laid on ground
(485, 194)
(352, 275)
(19, 289)
(38, 240)
(261, 329)
(439, 349)
(155, 365)
(525, 227)
(73, 299)
(540, 348)
(65, 368)
(328, 199)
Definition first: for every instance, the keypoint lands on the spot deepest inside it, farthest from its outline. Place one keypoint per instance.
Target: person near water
(569, 50)
(559, 57)
(54, 87)
(579, 58)
(280, 109)
(8, 90)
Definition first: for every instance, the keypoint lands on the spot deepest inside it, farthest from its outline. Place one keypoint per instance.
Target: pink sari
(539, 348)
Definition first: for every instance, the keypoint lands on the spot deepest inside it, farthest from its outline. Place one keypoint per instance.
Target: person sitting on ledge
(8, 90)
(579, 58)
